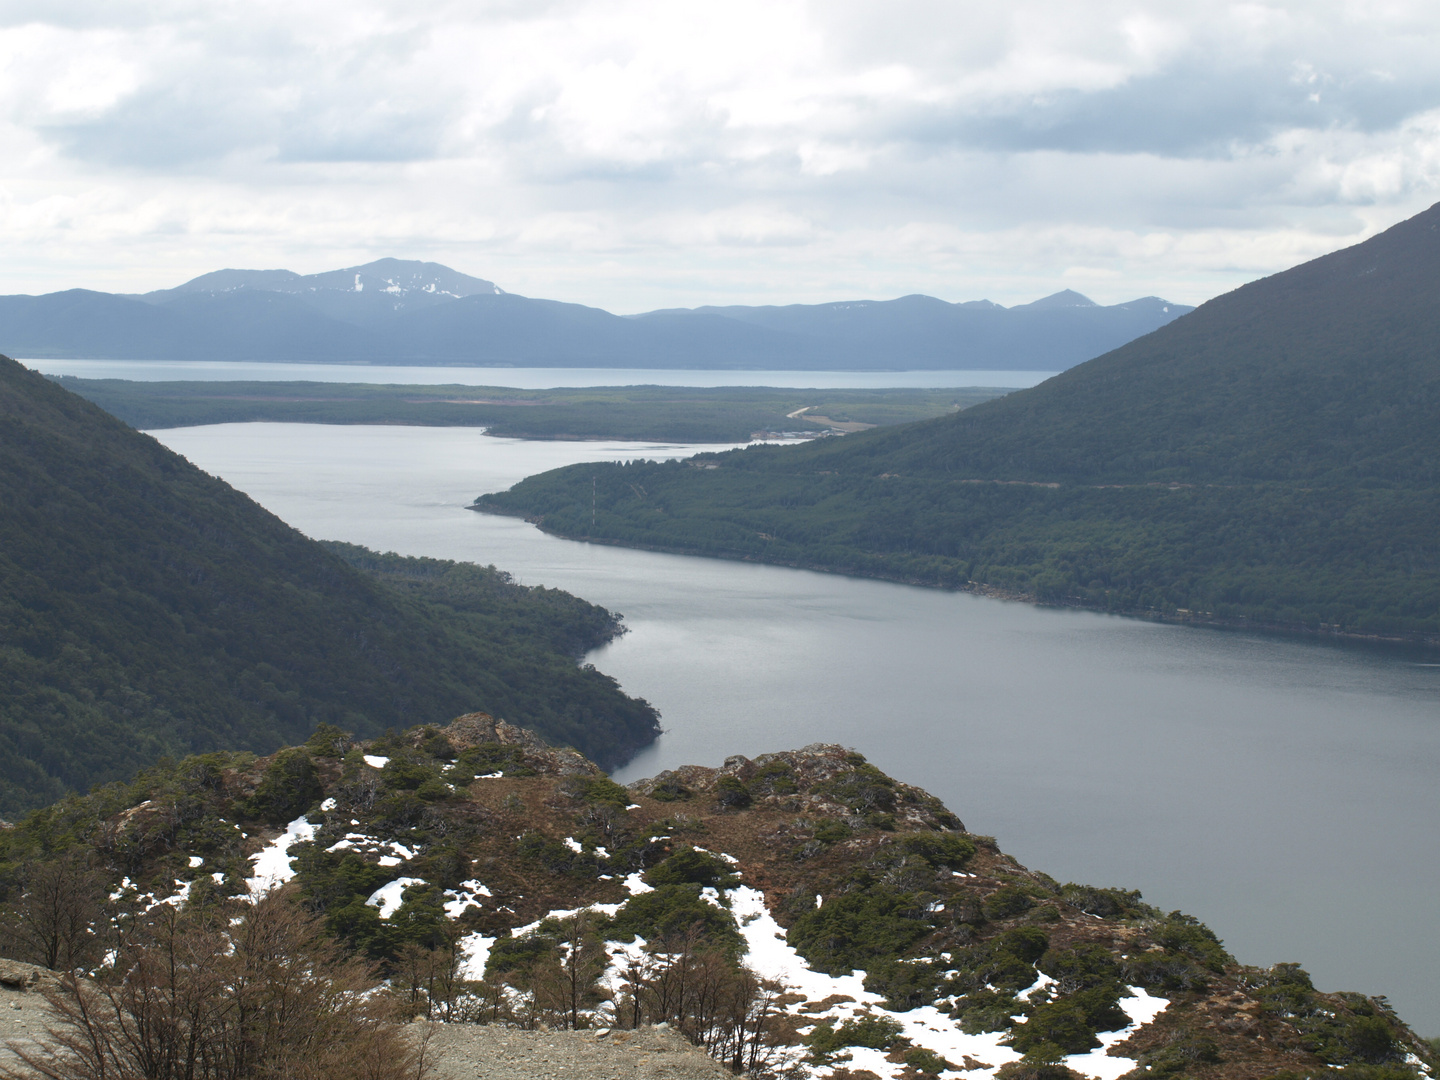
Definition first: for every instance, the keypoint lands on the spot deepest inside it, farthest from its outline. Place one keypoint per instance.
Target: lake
(1284, 791)
(524, 378)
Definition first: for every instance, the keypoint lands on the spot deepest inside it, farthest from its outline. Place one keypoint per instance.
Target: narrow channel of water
(523, 378)
(1284, 791)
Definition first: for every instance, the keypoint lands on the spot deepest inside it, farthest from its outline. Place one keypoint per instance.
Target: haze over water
(1283, 791)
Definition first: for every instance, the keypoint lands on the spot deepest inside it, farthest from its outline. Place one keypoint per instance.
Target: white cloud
(636, 154)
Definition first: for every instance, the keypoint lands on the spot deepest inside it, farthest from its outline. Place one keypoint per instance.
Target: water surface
(524, 378)
(1284, 791)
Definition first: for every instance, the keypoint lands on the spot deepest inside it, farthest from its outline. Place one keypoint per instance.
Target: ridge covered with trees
(795, 914)
(148, 608)
(1271, 458)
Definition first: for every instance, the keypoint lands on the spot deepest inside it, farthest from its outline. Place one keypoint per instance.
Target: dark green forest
(678, 413)
(1272, 457)
(147, 608)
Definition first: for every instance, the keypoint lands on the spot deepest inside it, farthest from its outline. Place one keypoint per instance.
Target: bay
(524, 378)
(1282, 790)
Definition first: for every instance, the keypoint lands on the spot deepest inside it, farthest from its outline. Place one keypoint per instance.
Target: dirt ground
(457, 1051)
(472, 1052)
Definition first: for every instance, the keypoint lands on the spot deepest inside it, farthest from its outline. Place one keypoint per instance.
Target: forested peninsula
(148, 609)
(1271, 459)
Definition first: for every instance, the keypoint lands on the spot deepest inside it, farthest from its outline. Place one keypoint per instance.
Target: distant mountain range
(395, 311)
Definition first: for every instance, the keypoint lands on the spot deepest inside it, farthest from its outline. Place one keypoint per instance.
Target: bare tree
(58, 920)
(266, 999)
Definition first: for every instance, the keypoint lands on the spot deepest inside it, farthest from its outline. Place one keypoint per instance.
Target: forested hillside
(147, 608)
(1273, 456)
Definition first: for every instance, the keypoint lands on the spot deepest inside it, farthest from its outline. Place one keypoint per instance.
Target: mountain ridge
(411, 312)
(148, 608)
(1271, 459)
(850, 917)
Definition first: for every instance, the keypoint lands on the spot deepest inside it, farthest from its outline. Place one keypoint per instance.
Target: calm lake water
(524, 378)
(1283, 791)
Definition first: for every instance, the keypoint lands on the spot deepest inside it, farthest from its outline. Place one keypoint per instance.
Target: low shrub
(732, 793)
(691, 867)
(859, 928)
(290, 786)
(675, 913)
(926, 1062)
(871, 1031)
(1006, 902)
(940, 850)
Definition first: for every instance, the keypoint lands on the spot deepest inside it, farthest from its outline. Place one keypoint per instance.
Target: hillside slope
(798, 914)
(147, 608)
(1274, 456)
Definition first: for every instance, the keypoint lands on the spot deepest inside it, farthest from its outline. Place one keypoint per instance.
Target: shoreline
(1429, 643)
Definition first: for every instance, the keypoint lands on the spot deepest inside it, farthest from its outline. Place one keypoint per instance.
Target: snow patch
(463, 896)
(388, 898)
(375, 761)
(475, 954)
(272, 862)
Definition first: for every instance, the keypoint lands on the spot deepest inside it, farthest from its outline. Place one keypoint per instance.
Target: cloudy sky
(643, 153)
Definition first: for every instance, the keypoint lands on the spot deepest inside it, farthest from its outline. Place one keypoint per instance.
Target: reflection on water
(1282, 790)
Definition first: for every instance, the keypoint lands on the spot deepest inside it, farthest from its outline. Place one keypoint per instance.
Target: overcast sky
(635, 155)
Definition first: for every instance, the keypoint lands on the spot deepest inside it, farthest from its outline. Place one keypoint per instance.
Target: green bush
(904, 984)
(401, 774)
(1006, 902)
(327, 740)
(559, 857)
(859, 928)
(774, 778)
(511, 955)
(1059, 1023)
(940, 850)
(877, 1032)
(690, 867)
(1187, 935)
(730, 792)
(670, 791)
(864, 789)
(1080, 968)
(987, 1010)
(490, 758)
(830, 831)
(289, 787)
(673, 913)
(1181, 1056)
(926, 1062)
(596, 790)
(1106, 903)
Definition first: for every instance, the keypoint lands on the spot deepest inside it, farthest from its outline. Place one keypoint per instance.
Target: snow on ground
(1142, 1008)
(771, 957)
(375, 761)
(462, 896)
(196, 861)
(475, 954)
(388, 897)
(272, 862)
(636, 886)
(398, 852)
